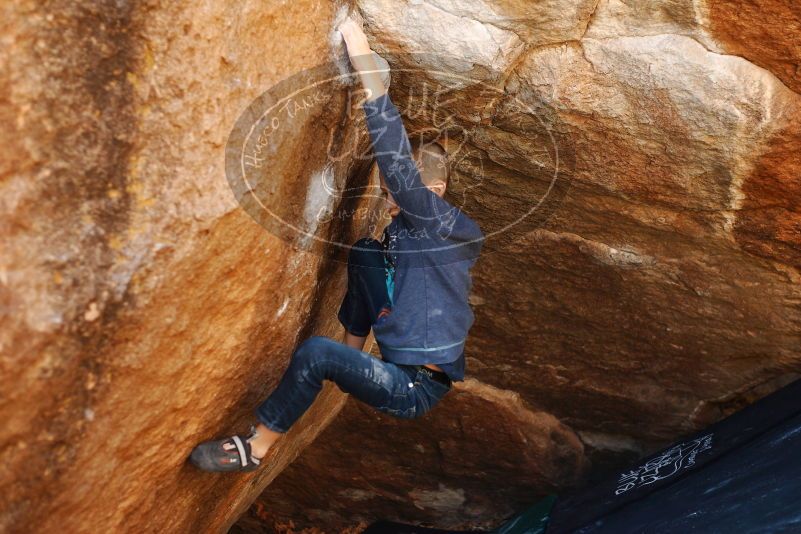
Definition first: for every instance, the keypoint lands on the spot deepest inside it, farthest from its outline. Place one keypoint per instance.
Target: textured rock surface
(659, 291)
(142, 310)
(655, 288)
(473, 459)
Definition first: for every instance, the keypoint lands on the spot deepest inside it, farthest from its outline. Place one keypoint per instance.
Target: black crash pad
(742, 474)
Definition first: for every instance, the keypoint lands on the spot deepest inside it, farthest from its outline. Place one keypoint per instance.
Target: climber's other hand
(355, 39)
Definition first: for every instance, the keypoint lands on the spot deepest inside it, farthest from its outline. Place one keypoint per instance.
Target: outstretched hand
(355, 39)
(363, 58)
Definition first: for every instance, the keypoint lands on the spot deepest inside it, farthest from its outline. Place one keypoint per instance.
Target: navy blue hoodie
(434, 245)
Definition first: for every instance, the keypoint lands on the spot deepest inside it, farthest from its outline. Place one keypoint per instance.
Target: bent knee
(313, 347)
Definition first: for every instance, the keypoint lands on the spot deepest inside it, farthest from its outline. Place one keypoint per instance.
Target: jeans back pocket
(434, 390)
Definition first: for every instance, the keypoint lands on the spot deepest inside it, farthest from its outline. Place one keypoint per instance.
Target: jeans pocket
(435, 387)
(402, 404)
(430, 392)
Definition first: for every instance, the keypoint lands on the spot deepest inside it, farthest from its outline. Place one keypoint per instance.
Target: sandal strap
(253, 434)
(240, 447)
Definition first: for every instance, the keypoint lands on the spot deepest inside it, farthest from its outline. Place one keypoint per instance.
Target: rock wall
(657, 289)
(651, 288)
(141, 309)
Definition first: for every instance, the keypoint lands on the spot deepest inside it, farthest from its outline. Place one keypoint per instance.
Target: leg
(383, 385)
(386, 386)
(399, 390)
(364, 300)
(369, 379)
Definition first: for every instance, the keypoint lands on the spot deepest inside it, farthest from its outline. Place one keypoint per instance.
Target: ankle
(258, 450)
(260, 443)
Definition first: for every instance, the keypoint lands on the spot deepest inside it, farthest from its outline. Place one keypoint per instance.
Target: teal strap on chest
(389, 266)
(390, 272)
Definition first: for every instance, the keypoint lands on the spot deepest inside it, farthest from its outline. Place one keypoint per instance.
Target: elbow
(477, 234)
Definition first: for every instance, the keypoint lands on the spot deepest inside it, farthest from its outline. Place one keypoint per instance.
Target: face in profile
(389, 204)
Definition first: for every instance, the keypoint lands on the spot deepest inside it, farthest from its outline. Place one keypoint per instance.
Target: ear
(438, 187)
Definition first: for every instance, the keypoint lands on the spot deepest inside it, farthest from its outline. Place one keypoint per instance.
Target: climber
(411, 288)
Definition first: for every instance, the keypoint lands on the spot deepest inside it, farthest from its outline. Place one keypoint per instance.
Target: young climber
(411, 288)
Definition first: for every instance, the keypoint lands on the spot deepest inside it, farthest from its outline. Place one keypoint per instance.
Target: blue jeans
(405, 391)
(399, 390)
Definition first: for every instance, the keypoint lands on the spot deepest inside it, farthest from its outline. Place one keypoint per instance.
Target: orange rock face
(769, 223)
(636, 169)
(655, 291)
(764, 32)
(141, 309)
(443, 468)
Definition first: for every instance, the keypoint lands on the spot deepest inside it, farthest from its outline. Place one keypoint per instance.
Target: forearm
(423, 208)
(369, 74)
(362, 58)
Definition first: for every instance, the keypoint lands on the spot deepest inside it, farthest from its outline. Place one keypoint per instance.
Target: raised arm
(422, 208)
(362, 58)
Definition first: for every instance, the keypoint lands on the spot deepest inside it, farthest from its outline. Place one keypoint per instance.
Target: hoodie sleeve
(423, 209)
